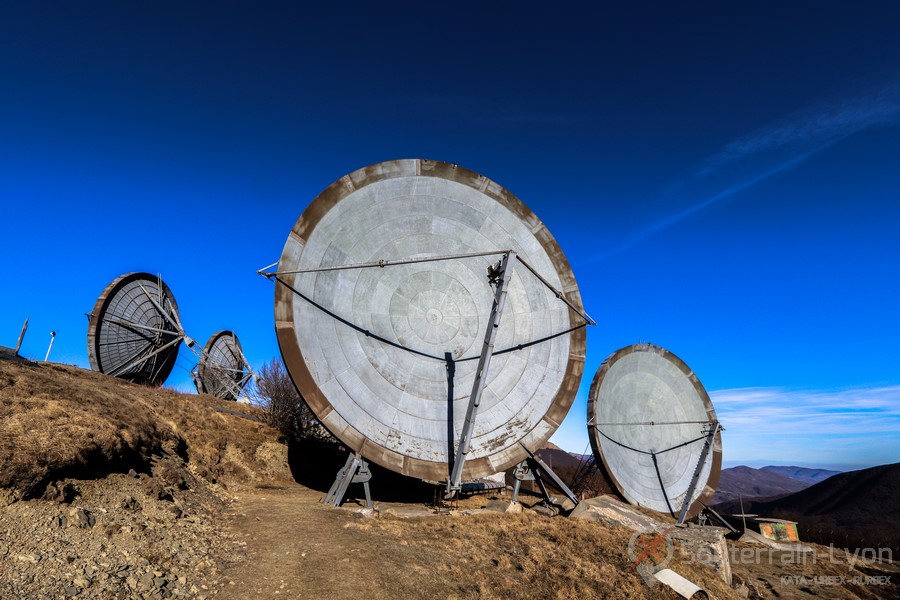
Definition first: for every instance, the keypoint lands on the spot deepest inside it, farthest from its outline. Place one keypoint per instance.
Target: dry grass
(58, 421)
(527, 555)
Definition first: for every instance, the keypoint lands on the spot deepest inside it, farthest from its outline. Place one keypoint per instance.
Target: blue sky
(722, 176)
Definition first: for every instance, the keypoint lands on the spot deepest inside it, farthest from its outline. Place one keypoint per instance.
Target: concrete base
(608, 510)
(706, 545)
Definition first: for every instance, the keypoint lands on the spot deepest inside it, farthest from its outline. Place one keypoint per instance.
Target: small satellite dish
(134, 330)
(654, 431)
(384, 299)
(223, 370)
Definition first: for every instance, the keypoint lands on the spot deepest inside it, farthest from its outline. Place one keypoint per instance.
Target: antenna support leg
(532, 469)
(710, 438)
(499, 275)
(355, 470)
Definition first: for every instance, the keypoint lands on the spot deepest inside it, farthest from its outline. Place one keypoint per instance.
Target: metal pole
(710, 439)
(162, 312)
(551, 474)
(502, 276)
(142, 359)
(743, 514)
(21, 336)
(381, 263)
(559, 294)
(134, 325)
(52, 337)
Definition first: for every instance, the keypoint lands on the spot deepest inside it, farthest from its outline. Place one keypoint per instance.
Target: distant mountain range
(852, 509)
(810, 476)
(857, 507)
(555, 457)
(767, 482)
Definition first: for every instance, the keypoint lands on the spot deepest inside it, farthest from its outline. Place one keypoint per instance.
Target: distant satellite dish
(223, 371)
(134, 331)
(382, 301)
(653, 429)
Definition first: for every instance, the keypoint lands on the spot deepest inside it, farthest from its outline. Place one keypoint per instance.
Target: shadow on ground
(315, 464)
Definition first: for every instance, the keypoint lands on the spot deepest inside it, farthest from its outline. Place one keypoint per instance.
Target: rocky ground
(136, 535)
(114, 490)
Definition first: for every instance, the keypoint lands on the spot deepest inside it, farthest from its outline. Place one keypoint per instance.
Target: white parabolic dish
(368, 348)
(645, 403)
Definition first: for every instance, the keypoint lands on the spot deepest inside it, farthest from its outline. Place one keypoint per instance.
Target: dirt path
(299, 548)
(296, 547)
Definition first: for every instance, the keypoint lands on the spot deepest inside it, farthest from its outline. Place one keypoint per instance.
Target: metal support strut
(531, 469)
(355, 470)
(499, 275)
(710, 439)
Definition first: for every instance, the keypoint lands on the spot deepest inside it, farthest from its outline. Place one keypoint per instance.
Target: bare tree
(284, 407)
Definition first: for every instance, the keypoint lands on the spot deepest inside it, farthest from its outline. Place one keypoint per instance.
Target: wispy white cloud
(857, 426)
(813, 129)
(671, 220)
(772, 150)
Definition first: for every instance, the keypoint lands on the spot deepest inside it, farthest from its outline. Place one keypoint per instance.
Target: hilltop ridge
(109, 488)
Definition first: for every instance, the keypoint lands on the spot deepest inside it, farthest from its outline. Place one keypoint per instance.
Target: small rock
(562, 502)
(547, 511)
(61, 491)
(156, 490)
(83, 517)
(81, 582)
(499, 505)
(514, 508)
(71, 591)
(147, 581)
(31, 558)
(132, 473)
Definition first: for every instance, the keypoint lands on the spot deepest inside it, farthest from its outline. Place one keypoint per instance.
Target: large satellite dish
(223, 370)
(134, 331)
(653, 428)
(382, 305)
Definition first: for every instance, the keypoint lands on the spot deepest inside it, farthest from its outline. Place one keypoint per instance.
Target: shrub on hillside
(283, 406)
